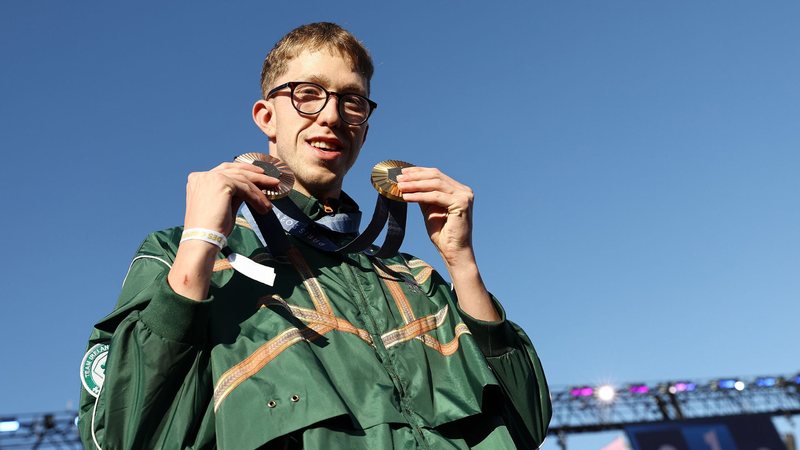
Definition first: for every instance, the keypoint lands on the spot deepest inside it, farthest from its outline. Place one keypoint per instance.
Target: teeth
(323, 145)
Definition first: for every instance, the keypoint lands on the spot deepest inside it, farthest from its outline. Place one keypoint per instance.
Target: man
(346, 350)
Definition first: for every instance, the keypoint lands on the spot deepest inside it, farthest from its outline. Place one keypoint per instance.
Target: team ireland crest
(93, 368)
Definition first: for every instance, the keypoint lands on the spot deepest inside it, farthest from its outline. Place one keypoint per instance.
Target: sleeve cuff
(175, 317)
(493, 338)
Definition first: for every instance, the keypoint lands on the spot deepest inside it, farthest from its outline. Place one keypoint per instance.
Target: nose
(330, 113)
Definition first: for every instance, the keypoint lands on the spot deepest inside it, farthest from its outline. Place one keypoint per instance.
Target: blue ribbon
(294, 222)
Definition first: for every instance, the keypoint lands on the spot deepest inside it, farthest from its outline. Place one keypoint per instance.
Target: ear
(264, 117)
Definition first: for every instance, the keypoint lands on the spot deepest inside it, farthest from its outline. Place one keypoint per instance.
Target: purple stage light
(638, 389)
(682, 386)
(582, 391)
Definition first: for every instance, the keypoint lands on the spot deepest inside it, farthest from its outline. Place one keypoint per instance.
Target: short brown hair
(315, 36)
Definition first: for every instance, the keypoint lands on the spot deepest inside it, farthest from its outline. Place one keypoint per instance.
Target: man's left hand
(446, 207)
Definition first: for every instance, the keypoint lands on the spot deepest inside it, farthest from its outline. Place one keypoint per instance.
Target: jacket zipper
(386, 361)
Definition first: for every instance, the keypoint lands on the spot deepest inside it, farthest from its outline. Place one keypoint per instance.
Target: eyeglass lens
(310, 99)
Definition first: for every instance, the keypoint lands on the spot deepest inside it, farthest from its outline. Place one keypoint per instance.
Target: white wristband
(203, 234)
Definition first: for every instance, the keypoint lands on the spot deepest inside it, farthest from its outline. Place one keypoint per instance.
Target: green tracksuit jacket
(338, 354)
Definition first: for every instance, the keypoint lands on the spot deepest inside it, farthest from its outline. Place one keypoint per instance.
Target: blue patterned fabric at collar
(342, 223)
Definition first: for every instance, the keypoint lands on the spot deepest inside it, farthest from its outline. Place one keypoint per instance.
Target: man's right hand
(212, 200)
(214, 197)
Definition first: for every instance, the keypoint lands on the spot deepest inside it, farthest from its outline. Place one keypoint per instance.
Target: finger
(418, 169)
(434, 179)
(245, 190)
(259, 179)
(245, 174)
(426, 185)
(251, 172)
(454, 203)
(421, 173)
(227, 166)
(436, 198)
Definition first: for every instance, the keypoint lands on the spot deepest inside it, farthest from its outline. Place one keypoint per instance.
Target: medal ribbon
(286, 216)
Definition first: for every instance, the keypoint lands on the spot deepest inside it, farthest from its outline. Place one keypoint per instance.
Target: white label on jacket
(251, 269)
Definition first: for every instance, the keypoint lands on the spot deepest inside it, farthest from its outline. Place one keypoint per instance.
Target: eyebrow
(346, 89)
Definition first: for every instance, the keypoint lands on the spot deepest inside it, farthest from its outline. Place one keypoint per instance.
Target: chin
(321, 185)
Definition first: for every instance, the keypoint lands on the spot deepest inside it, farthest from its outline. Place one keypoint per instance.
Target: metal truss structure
(583, 409)
(587, 409)
(40, 431)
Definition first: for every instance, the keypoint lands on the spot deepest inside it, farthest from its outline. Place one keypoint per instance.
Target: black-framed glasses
(311, 98)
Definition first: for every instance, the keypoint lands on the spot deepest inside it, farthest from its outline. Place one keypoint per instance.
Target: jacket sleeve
(154, 390)
(526, 408)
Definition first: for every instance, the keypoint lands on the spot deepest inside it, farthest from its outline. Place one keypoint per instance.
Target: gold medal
(384, 178)
(273, 167)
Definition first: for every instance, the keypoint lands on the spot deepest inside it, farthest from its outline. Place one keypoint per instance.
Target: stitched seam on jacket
(268, 351)
(314, 316)
(398, 296)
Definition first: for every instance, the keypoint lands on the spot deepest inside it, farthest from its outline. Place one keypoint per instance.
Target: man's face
(319, 148)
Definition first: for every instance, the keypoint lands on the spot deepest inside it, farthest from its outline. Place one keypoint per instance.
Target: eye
(354, 104)
(308, 92)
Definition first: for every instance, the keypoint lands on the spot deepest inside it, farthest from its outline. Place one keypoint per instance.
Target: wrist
(191, 271)
(460, 260)
(205, 235)
(197, 250)
(473, 298)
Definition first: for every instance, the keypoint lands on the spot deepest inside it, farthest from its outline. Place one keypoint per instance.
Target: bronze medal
(273, 167)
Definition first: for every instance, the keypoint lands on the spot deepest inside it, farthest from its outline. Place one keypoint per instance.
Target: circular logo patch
(93, 368)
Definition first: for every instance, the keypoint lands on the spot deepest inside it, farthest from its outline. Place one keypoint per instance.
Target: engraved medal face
(384, 178)
(273, 167)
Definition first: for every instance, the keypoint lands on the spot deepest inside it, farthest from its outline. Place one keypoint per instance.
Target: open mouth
(326, 149)
(325, 146)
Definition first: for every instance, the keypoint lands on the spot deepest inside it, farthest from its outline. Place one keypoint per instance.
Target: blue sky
(635, 165)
